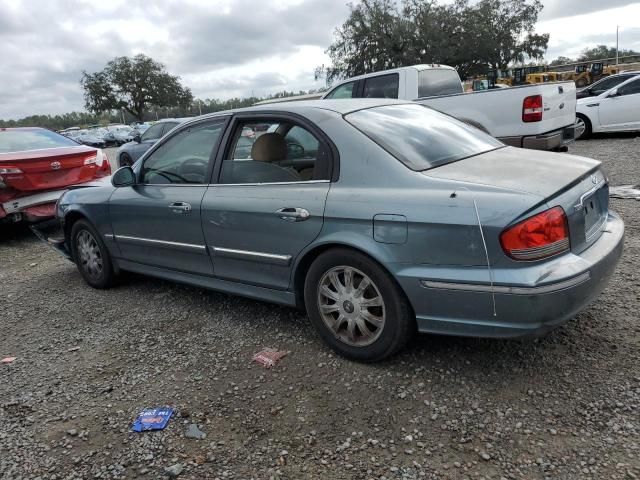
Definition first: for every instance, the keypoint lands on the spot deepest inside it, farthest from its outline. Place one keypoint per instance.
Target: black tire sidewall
(399, 322)
(587, 127)
(106, 279)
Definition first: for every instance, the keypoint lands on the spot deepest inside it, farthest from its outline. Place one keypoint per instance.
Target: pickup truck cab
(538, 116)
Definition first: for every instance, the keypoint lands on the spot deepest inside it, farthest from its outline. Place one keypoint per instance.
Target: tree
(382, 34)
(561, 61)
(602, 51)
(133, 84)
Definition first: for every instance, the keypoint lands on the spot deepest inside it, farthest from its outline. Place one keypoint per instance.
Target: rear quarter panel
(499, 111)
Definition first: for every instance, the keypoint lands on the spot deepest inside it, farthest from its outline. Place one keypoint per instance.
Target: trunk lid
(577, 184)
(49, 168)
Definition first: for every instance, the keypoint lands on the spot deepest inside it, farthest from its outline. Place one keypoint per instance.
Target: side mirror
(137, 138)
(124, 177)
(613, 93)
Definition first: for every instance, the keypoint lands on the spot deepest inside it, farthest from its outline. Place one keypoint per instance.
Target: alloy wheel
(90, 255)
(351, 306)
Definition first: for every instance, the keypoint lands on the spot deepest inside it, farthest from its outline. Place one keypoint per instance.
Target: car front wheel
(356, 306)
(91, 255)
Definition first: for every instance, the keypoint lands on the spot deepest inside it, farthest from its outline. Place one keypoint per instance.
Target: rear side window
(420, 137)
(168, 126)
(153, 133)
(343, 91)
(383, 86)
(438, 81)
(21, 140)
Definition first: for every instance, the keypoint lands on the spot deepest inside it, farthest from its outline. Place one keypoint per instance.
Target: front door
(268, 204)
(621, 112)
(158, 221)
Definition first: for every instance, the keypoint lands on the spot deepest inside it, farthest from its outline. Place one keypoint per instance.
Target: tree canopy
(598, 52)
(133, 84)
(470, 36)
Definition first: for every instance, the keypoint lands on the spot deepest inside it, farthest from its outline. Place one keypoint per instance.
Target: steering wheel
(294, 150)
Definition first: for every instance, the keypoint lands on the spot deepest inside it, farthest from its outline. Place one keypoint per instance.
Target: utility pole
(617, 42)
(200, 106)
(122, 114)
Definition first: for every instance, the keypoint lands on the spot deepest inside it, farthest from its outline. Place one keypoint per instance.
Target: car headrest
(269, 147)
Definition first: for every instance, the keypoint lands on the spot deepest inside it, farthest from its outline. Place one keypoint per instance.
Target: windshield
(21, 140)
(438, 81)
(420, 137)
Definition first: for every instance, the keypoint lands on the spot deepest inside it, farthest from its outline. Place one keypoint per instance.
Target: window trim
(223, 119)
(226, 142)
(366, 79)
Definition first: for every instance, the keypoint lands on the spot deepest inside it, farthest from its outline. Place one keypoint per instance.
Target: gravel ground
(562, 407)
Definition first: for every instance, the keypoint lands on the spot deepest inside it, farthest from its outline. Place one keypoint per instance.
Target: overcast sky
(220, 48)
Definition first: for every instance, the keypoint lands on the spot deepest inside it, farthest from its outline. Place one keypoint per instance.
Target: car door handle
(180, 207)
(291, 214)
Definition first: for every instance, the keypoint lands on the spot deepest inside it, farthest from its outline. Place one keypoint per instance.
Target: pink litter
(268, 357)
(8, 360)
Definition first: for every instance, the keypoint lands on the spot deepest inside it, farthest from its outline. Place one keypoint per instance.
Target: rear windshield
(21, 140)
(438, 81)
(420, 137)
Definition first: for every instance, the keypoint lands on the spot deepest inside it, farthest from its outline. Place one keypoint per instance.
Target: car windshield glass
(438, 81)
(20, 140)
(420, 137)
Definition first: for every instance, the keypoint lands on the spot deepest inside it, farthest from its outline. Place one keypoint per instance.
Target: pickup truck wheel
(582, 127)
(91, 255)
(356, 306)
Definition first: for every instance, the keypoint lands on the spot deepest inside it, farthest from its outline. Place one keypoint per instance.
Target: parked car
(37, 166)
(615, 110)
(118, 135)
(538, 116)
(91, 138)
(396, 218)
(604, 84)
(130, 152)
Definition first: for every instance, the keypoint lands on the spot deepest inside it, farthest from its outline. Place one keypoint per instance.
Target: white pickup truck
(540, 116)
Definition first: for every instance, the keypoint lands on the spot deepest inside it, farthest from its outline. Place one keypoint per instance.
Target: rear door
(622, 111)
(158, 221)
(265, 209)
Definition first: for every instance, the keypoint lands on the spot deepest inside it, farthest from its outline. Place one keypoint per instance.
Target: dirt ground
(566, 406)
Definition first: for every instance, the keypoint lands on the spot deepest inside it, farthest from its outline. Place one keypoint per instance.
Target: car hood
(534, 172)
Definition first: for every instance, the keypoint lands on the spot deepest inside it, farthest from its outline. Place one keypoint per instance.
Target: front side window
(184, 157)
(274, 152)
(420, 137)
(153, 133)
(630, 88)
(383, 86)
(343, 91)
(607, 84)
(433, 82)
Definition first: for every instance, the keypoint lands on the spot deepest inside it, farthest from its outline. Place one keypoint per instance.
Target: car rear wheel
(125, 160)
(582, 127)
(91, 255)
(356, 306)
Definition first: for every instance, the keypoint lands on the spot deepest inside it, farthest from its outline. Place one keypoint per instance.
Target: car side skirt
(250, 291)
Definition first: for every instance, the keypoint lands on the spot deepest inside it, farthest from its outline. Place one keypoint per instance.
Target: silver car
(379, 217)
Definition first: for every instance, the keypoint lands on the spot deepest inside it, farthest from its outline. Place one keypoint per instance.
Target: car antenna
(484, 244)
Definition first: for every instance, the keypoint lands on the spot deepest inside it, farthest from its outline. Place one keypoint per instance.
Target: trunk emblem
(55, 165)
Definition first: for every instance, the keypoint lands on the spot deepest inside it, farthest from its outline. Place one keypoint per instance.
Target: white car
(616, 110)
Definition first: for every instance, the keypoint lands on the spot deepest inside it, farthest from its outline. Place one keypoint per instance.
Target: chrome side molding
(282, 260)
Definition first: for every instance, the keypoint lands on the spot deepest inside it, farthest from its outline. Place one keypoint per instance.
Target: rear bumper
(459, 301)
(553, 140)
(19, 204)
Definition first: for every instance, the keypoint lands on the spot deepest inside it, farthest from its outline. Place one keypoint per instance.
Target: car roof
(341, 106)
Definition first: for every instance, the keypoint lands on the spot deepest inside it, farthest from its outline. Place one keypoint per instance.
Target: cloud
(569, 8)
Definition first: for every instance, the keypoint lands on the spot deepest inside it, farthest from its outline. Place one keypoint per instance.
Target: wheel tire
(586, 132)
(91, 255)
(398, 319)
(125, 160)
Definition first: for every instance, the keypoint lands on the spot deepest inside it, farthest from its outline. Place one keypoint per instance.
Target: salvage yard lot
(564, 406)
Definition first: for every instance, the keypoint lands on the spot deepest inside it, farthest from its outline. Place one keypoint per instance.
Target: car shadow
(15, 232)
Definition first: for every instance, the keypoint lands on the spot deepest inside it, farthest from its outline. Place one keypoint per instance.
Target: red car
(36, 167)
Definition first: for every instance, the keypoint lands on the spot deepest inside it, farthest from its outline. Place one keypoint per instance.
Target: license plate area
(593, 215)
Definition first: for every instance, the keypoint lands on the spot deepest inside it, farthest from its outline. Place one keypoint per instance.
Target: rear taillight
(532, 108)
(91, 160)
(541, 236)
(9, 170)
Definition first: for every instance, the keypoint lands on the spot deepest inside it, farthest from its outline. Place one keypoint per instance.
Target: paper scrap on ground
(8, 360)
(152, 419)
(625, 191)
(269, 357)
